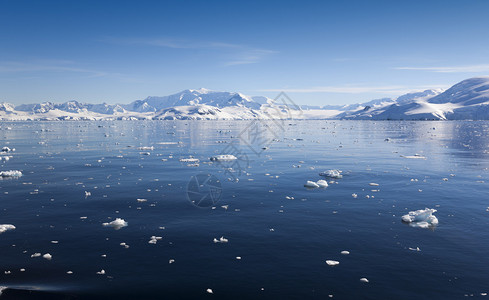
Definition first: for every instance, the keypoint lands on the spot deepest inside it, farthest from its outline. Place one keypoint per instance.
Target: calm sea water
(282, 231)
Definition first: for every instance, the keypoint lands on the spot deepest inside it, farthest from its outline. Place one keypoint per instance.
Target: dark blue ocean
(79, 175)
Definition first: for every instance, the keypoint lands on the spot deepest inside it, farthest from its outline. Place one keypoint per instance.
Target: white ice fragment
(373, 184)
(101, 272)
(11, 173)
(223, 157)
(414, 249)
(190, 160)
(5, 227)
(238, 257)
(345, 252)
(146, 148)
(87, 194)
(423, 218)
(141, 200)
(47, 256)
(364, 280)
(37, 254)
(332, 174)
(2, 288)
(7, 149)
(154, 239)
(332, 262)
(311, 184)
(322, 183)
(171, 261)
(223, 239)
(354, 195)
(117, 224)
(69, 272)
(210, 291)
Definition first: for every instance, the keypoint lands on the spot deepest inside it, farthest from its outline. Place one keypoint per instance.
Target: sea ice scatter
(117, 224)
(223, 157)
(11, 173)
(364, 280)
(47, 256)
(210, 291)
(154, 239)
(332, 173)
(332, 262)
(423, 218)
(5, 227)
(221, 240)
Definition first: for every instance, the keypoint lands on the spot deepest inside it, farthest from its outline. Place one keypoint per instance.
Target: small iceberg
(11, 173)
(423, 218)
(5, 227)
(332, 262)
(117, 224)
(223, 157)
(332, 174)
(318, 184)
(7, 149)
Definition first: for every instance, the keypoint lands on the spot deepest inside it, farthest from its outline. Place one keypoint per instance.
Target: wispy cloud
(236, 54)
(349, 89)
(454, 69)
(47, 66)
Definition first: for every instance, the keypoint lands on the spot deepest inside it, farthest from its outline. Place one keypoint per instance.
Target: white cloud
(453, 69)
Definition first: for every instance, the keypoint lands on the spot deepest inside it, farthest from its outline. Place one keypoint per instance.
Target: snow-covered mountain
(468, 99)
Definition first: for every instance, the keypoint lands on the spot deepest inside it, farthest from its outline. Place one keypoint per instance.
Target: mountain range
(466, 100)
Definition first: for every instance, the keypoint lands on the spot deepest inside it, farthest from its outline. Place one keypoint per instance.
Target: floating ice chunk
(117, 224)
(225, 206)
(221, 240)
(364, 280)
(414, 249)
(373, 184)
(154, 239)
(124, 245)
(311, 184)
(141, 200)
(4, 158)
(210, 291)
(146, 148)
(7, 149)
(238, 257)
(322, 183)
(37, 254)
(345, 252)
(332, 174)
(5, 227)
(171, 261)
(69, 272)
(2, 288)
(101, 272)
(190, 160)
(332, 262)
(415, 156)
(223, 157)
(11, 173)
(423, 218)
(354, 195)
(87, 194)
(47, 256)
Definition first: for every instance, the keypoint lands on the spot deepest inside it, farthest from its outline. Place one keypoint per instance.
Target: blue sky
(319, 52)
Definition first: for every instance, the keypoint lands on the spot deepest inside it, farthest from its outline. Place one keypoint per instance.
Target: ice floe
(11, 173)
(423, 218)
(332, 262)
(154, 239)
(223, 157)
(5, 227)
(364, 280)
(47, 256)
(319, 183)
(332, 174)
(344, 252)
(117, 224)
(210, 291)
(7, 149)
(221, 240)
